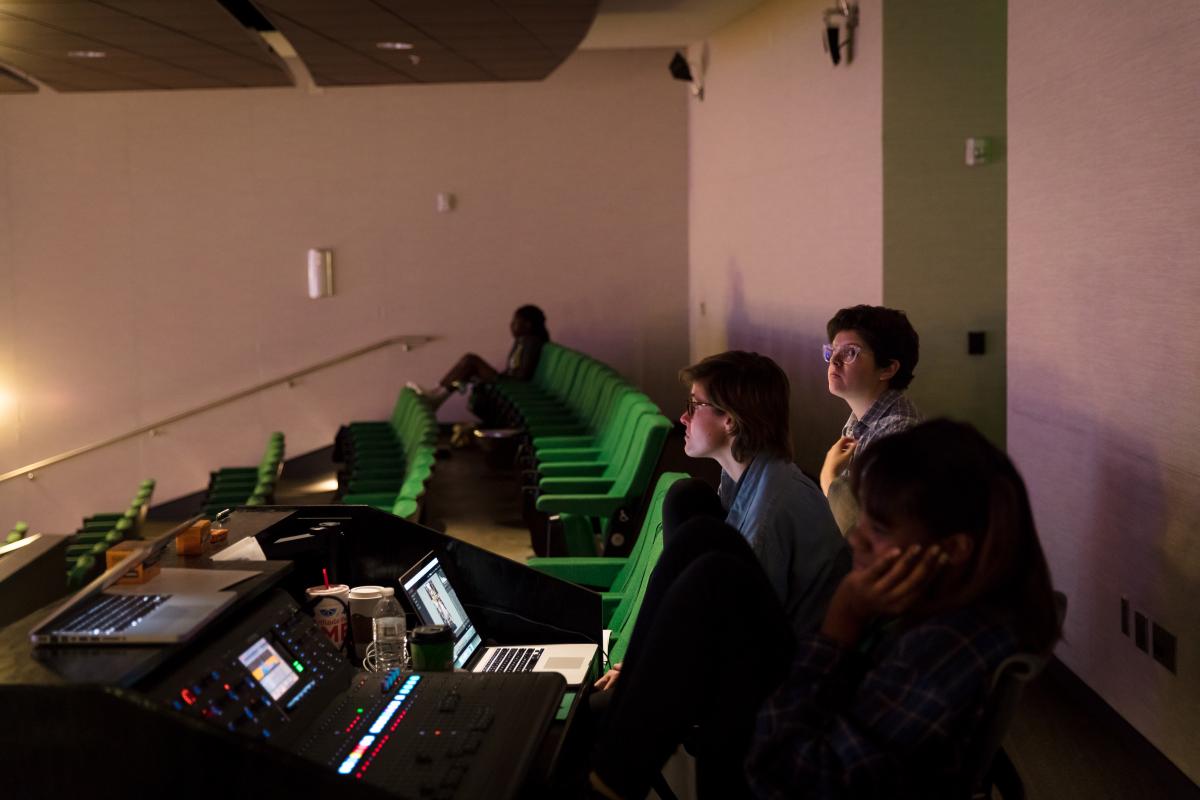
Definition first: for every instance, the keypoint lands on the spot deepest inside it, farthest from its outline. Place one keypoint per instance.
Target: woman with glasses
(871, 354)
(885, 698)
(737, 414)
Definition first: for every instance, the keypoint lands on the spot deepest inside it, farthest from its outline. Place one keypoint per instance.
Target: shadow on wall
(1113, 518)
(817, 416)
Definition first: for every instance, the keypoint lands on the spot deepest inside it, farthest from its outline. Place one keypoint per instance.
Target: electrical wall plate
(978, 151)
(1162, 646)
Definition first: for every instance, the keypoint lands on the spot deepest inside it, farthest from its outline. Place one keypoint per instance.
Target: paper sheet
(245, 550)
(177, 580)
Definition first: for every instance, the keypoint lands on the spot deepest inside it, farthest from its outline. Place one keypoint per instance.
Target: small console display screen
(268, 668)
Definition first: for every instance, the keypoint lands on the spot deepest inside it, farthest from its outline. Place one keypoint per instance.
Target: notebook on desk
(436, 603)
(92, 616)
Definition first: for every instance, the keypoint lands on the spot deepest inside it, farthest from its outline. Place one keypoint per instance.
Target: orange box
(192, 541)
(217, 535)
(141, 573)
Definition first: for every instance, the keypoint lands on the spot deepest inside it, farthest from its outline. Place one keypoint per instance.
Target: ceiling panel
(146, 44)
(182, 44)
(467, 40)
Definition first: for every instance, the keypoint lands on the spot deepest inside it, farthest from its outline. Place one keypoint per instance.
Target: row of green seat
(594, 442)
(621, 581)
(99, 532)
(17, 533)
(389, 462)
(246, 486)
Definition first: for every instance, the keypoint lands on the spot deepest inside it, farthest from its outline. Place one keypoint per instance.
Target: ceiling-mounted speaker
(832, 35)
(844, 16)
(680, 70)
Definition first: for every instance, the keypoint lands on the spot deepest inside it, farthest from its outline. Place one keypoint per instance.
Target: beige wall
(152, 257)
(785, 197)
(1104, 338)
(944, 222)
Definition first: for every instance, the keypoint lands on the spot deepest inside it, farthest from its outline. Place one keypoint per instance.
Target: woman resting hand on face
(948, 581)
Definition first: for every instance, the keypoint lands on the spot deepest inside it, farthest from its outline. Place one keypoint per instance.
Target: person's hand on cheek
(887, 587)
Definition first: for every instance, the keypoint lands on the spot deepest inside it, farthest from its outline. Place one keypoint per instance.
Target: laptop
(436, 603)
(93, 617)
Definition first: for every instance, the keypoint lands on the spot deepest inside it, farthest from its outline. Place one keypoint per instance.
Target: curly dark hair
(887, 332)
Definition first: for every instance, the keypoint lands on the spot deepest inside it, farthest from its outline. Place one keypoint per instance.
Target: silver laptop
(436, 603)
(93, 617)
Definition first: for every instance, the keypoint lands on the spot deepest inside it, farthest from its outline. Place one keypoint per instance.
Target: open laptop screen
(437, 603)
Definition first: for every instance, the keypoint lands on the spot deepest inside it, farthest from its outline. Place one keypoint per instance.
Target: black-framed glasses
(842, 355)
(692, 404)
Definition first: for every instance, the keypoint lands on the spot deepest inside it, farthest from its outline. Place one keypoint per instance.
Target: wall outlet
(1163, 646)
(1125, 616)
(1141, 633)
(976, 343)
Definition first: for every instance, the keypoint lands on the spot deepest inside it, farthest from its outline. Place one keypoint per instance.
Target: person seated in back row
(528, 327)
(884, 701)
(871, 354)
(737, 415)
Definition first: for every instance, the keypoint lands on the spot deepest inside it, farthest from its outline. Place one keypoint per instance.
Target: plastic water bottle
(387, 633)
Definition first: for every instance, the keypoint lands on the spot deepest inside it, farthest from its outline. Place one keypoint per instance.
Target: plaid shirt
(891, 412)
(844, 725)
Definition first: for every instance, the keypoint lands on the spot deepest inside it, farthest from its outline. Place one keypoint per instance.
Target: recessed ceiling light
(86, 54)
(394, 45)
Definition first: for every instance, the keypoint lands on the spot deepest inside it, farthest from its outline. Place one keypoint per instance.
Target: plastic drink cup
(330, 610)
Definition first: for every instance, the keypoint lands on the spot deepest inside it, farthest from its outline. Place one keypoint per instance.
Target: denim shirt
(787, 521)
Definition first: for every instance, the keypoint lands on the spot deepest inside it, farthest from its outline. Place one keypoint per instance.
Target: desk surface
(22, 663)
(127, 666)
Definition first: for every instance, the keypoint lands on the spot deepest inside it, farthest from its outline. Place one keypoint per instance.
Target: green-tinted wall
(944, 223)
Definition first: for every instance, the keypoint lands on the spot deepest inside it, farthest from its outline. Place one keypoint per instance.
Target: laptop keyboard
(513, 659)
(109, 613)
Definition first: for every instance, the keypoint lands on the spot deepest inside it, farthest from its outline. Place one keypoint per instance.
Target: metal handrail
(407, 342)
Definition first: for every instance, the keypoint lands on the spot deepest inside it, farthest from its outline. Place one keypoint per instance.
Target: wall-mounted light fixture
(842, 18)
(320, 273)
(682, 71)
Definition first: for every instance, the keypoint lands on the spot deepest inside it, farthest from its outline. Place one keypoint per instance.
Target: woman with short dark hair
(737, 414)
(871, 354)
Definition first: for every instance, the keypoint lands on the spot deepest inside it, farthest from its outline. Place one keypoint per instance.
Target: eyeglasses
(692, 404)
(842, 355)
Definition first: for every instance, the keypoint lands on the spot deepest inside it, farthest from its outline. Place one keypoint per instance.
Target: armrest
(584, 570)
(608, 604)
(569, 469)
(562, 441)
(538, 430)
(554, 455)
(575, 485)
(592, 505)
(405, 508)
